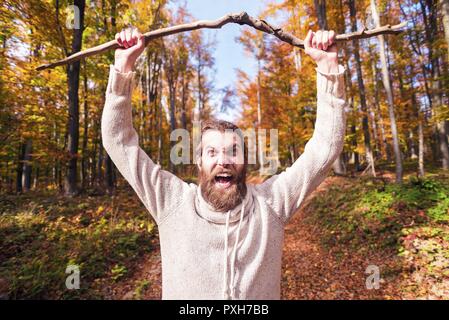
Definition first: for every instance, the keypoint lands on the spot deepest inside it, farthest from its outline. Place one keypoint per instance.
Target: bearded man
(223, 238)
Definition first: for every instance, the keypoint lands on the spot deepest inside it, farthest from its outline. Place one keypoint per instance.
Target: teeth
(223, 175)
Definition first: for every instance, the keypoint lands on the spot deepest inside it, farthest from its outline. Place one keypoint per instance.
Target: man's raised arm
(286, 192)
(159, 190)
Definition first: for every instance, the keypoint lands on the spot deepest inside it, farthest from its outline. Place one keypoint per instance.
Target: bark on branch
(241, 18)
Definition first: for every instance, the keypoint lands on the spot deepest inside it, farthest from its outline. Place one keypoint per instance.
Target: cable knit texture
(194, 237)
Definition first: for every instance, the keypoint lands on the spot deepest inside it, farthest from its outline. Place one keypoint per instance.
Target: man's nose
(223, 159)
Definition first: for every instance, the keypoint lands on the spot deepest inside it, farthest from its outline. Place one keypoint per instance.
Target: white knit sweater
(213, 255)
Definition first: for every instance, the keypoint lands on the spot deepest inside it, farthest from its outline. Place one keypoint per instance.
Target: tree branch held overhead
(241, 18)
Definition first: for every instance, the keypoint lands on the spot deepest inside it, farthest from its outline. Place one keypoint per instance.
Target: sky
(229, 54)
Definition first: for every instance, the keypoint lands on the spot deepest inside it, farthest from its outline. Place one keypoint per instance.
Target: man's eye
(211, 152)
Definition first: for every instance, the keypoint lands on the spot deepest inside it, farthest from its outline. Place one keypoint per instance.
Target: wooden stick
(240, 18)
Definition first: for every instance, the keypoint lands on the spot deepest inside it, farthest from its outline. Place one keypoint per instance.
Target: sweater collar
(207, 212)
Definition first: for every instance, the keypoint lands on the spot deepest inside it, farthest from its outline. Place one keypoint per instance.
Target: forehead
(217, 139)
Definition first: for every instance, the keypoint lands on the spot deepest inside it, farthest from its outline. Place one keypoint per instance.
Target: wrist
(123, 67)
(328, 66)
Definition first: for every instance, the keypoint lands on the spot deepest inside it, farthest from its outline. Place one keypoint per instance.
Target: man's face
(222, 171)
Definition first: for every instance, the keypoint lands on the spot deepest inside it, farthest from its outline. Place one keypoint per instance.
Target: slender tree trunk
(148, 95)
(142, 114)
(73, 73)
(27, 168)
(36, 177)
(412, 145)
(383, 144)
(441, 126)
(84, 178)
(19, 171)
(387, 85)
(159, 131)
(443, 143)
(261, 152)
(93, 162)
(184, 102)
(8, 181)
(110, 186)
(361, 89)
(171, 75)
(172, 94)
(153, 66)
(320, 9)
(110, 167)
(430, 15)
(10, 175)
(372, 116)
(421, 148)
(198, 72)
(100, 175)
(444, 5)
(293, 152)
(159, 136)
(355, 154)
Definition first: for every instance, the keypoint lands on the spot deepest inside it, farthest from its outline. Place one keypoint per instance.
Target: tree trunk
(412, 147)
(93, 160)
(148, 95)
(361, 88)
(19, 170)
(261, 152)
(84, 178)
(27, 165)
(421, 148)
(172, 79)
(431, 29)
(444, 6)
(172, 98)
(383, 144)
(355, 154)
(159, 131)
(184, 102)
(387, 85)
(73, 73)
(152, 74)
(443, 144)
(320, 9)
(36, 177)
(198, 71)
(100, 175)
(110, 186)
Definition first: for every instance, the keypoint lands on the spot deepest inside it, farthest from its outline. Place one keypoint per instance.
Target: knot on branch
(239, 18)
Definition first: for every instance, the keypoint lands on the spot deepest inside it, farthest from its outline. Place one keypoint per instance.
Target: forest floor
(347, 228)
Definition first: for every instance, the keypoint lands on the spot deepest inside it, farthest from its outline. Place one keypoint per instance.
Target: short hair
(222, 126)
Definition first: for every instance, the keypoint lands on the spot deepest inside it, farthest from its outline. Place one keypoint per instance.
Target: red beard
(223, 188)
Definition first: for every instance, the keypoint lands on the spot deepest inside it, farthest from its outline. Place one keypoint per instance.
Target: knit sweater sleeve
(286, 192)
(159, 190)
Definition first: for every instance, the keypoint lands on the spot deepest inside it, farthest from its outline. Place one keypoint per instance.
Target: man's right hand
(132, 44)
(322, 48)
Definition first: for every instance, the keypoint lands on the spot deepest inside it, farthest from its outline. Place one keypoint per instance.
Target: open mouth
(223, 180)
